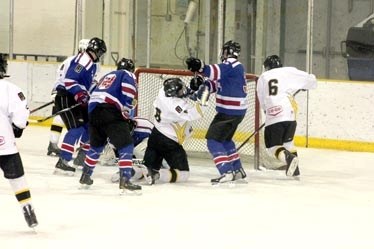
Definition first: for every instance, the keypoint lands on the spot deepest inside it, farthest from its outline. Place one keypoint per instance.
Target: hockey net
(150, 80)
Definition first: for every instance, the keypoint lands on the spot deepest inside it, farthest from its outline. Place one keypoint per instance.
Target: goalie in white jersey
(276, 88)
(173, 113)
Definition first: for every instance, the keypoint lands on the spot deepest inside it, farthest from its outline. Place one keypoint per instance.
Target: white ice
(330, 207)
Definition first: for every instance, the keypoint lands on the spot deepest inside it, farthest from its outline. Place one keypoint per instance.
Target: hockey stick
(254, 133)
(42, 106)
(204, 97)
(55, 114)
(262, 126)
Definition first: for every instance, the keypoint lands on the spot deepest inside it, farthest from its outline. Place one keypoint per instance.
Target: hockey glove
(17, 131)
(194, 64)
(132, 125)
(82, 97)
(196, 82)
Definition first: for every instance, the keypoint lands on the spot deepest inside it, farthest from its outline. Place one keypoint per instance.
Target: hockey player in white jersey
(13, 119)
(275, 91)
(57, 123)
(173, 111)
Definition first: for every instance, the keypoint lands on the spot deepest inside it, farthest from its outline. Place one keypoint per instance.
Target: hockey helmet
(83, 44)
(3, 65)
(230, 49)
(126, 64)
(97, 46)
(272, 61)
(174, 87)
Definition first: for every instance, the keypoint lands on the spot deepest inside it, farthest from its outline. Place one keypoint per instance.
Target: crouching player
(173, 111)
(108, 109)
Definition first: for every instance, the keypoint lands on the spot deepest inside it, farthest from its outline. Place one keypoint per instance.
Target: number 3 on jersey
(273, 87)
(158, 115)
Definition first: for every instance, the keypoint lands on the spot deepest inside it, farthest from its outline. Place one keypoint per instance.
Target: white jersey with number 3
(275, 89)
(173, 115)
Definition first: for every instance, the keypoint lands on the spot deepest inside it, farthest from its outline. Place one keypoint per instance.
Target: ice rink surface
(331, 206)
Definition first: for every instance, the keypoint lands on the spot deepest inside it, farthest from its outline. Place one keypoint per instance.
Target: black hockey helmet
(174, 87)
(272, 61)
(126, 64)
(3, 66)
(230, 49)
(97, 46)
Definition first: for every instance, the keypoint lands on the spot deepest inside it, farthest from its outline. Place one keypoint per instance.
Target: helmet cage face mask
(230, 49)
(98, 47)
(174, 87)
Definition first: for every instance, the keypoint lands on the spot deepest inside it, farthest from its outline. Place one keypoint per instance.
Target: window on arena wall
(343, 37)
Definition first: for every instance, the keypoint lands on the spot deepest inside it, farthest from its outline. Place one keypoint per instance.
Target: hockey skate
(226, 177)
(79, 160)
(53, 149)
(292, 164)
(240, 175)
(62, 166)
(128, 187)
(85, 179)
(30, 217)
(152, 176)
(297, 172)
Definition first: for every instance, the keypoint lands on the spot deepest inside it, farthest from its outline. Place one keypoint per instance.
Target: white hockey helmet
(83, 45)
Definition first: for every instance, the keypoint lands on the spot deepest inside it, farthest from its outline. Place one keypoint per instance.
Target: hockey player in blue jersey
(73, 92)
(109, 107)
(142, 129)
(227, 80)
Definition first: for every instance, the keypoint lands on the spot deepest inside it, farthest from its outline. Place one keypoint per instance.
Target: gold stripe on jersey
(180, 131)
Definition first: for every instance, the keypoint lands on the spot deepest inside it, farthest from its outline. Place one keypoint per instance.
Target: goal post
(150, 80)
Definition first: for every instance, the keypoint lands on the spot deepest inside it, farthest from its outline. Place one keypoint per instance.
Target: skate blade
(84, 186)
(230, 184)
(33, 229)
(63, 172)
(126, 192)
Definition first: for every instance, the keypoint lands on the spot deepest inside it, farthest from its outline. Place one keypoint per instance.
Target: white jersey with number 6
(172, 116)
(275, 89)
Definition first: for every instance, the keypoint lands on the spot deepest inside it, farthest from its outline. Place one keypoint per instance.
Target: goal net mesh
(150, 80)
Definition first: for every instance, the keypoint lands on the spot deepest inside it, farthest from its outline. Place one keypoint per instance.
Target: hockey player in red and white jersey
(276, 88)
(13, 119)
(173, 111)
